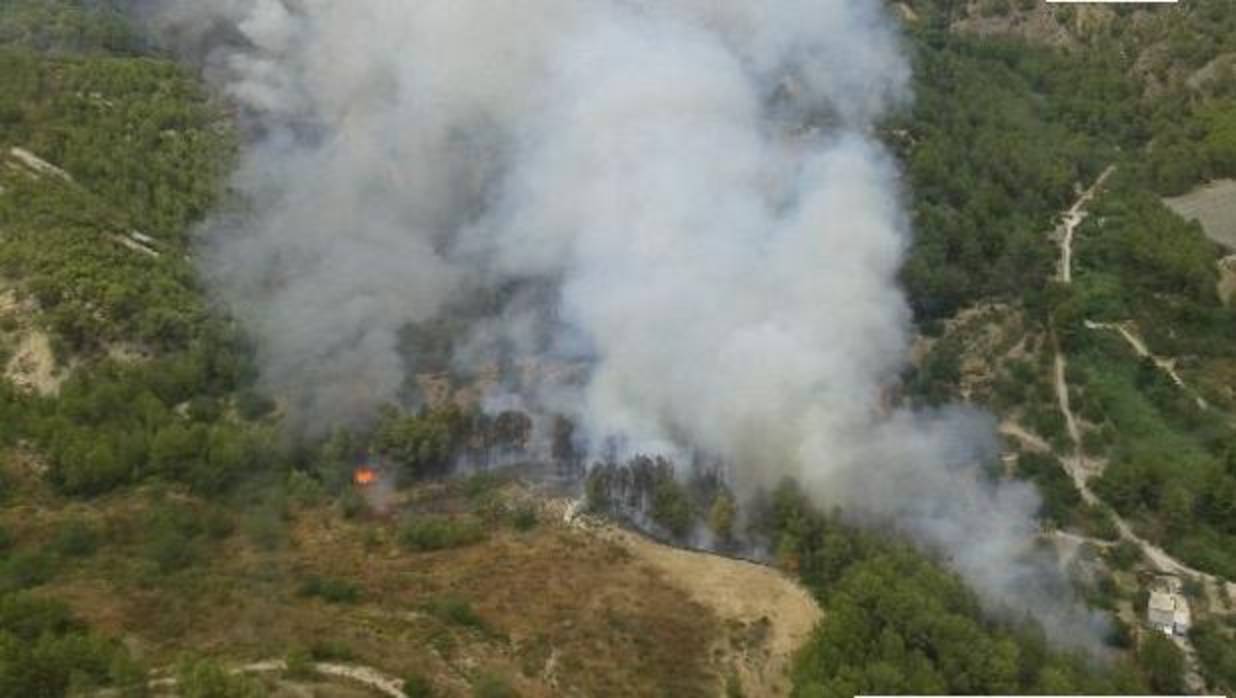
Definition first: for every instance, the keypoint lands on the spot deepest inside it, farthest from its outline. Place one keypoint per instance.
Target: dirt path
(773, 607)
(1075, 462)
(1168, 366)
(37, 165)
(1031, 441)
(1078, 539)
(1060, 369)
(368, 677)
(1158, 557)
(1073, 218)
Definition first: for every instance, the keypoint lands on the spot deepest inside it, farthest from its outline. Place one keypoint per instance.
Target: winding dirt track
(1073, 218)
(385, 684)
(366, 676)
(1075, 462)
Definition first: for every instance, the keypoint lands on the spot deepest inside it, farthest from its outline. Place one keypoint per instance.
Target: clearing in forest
(1214, 206)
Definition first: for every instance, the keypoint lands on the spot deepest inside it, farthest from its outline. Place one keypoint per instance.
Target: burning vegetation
(364, 476)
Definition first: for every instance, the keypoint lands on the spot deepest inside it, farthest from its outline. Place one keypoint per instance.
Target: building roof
(1162, 601)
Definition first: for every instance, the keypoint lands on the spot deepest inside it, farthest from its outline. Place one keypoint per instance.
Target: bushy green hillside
(106, 159)
(999, 135)
(1152, 88)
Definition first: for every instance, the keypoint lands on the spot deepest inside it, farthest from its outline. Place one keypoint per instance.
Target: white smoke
(696, 181)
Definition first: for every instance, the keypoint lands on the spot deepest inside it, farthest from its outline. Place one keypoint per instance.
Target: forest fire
(364, 476)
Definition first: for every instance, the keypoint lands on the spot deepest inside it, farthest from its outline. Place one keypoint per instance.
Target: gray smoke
(696, 183)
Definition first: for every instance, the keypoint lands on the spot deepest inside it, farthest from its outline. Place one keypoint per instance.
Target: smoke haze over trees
(697, 185)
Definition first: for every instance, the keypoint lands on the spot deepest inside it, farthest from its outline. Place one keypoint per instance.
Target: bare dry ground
(559, 610)
(26, 358)
(1214, 206)
(32, 366)
(767, 614)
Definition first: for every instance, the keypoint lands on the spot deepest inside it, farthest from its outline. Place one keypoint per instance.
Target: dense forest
(1164, 443)
(147, 153)
(1137, 263)
(1002, 130)
(999, 135)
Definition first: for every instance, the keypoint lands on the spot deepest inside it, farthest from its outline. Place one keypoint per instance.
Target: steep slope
(553, 606)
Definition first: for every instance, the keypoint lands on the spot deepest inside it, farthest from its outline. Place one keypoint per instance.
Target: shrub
(352, 504)
(304, 489)
(300, 664)
(76, 538)
(493, 686)
(1124, 555)
(597, 490)
(174, 530)
(524, 518)
(733, 687)
(265, 527)
(670, 506)
(417, 686)
(1164, 664)
(252, 406)
(721, 517)
(25, 569)
(330, 590)
(171, 550)
(1097, 521)
(218, 524)
(459, 612)
(44, 652)
(1217, 652)
(206, 679)
(439, 533)
(1120, 635)
(481, 484)
(27, 617)
(331, 650)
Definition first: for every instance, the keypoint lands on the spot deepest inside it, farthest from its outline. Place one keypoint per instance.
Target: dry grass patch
(553, 610)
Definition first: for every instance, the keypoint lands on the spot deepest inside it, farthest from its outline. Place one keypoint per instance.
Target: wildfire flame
(365, 475)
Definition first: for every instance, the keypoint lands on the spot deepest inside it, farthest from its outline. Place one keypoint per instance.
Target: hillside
(302, 579)
(164, 531)
(1119, 378)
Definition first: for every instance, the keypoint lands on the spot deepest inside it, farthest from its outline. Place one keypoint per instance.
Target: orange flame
(365, 475)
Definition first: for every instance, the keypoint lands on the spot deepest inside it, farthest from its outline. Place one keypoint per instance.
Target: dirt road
(1139, 347)
(1073, 218)
(368, 677)
(1031, 441)
(1075, 462)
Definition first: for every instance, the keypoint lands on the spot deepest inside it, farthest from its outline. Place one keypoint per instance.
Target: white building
(1168, 610)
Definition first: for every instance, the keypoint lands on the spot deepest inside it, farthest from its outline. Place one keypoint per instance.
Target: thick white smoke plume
(695, 181)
